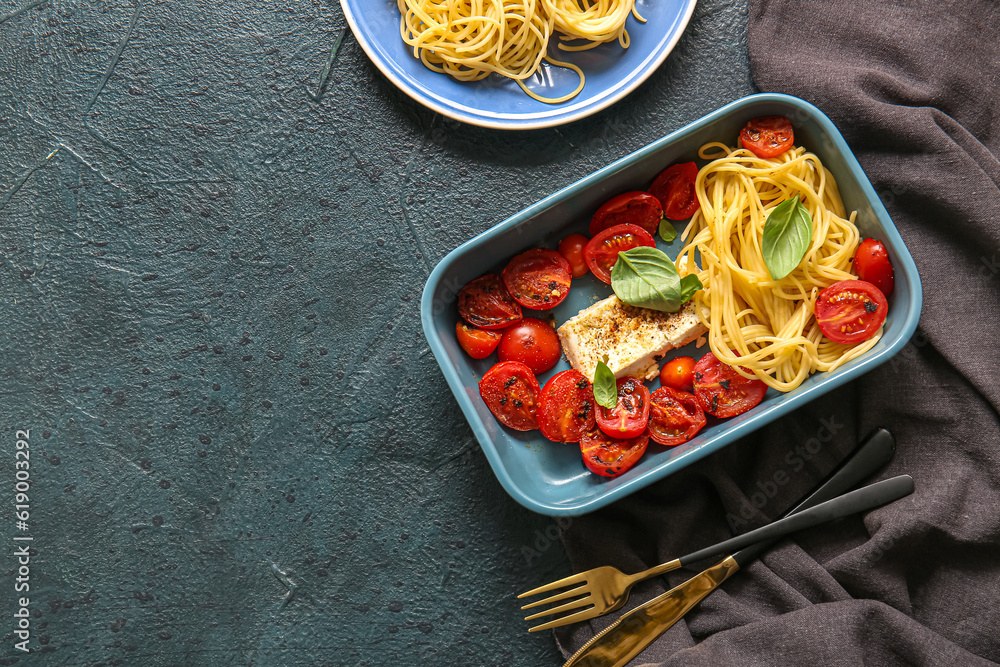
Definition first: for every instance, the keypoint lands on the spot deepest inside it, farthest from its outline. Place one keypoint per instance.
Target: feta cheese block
(632, 339)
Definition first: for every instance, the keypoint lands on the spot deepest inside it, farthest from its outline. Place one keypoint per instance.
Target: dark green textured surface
(210, 325)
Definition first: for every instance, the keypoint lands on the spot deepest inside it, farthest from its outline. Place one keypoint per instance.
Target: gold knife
(629, 635)
(624, 639)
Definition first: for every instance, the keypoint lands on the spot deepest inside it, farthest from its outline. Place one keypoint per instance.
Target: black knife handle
(872, 454)
(860, 500)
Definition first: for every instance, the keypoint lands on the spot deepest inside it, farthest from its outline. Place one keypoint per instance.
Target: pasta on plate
(472, 39)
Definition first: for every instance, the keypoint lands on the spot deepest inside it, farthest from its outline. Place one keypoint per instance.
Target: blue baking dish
(549, 477)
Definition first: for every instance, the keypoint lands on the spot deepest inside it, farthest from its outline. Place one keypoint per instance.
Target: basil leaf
(647, 278)
(787, 235)
(667, 231)
(689, 285)
(605, 386)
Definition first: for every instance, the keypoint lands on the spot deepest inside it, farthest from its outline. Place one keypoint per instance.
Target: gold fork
(605, 589)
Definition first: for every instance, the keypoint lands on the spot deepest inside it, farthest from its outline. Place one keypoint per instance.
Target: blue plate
(549, 477)
(611, 72)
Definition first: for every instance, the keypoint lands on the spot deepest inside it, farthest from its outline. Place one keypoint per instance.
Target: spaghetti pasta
(762, 327)
(471, 39)
(594, 21)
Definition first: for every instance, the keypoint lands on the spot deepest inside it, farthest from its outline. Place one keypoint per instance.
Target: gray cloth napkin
(915, 89)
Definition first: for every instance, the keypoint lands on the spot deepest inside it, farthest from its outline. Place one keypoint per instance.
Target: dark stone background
(212, 264)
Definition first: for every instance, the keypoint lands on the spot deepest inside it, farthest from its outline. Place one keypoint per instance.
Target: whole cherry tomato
(872, 264)
(678, 373)
(531, 341)
(571, 248)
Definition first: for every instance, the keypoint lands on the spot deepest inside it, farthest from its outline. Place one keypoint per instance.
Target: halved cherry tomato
(768, 136)
(610, 457)
(531, 341)
(602, 251)
(674, 416)
(872, 264)
(477, 343)
(538, 278)
(566, 407)
(674, 187)
(511, 392)
(632, 208)
(571, 248)
(723, 392)
(678, 373)
(850, 311)
(630, 415)
(485, 303)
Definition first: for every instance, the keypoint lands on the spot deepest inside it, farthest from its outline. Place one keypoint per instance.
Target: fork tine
(562, 583)
(579, 590)
(565, 620)
(575, 604)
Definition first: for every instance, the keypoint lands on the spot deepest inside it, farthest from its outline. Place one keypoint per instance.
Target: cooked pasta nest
(471, 39)
(766, 328)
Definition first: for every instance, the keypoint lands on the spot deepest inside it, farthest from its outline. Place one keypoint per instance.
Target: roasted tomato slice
(602, 251)
(678, 373)
(485, 303)
(566, 407)
(674, 416)
(768, 136)
(538, 278)
(721, 391)
(532, 342)
(610, 457)
(511, 392)
(477, 343)
(871, 262)
(632, 208)
(630, 415)
(674, 187)
(571, 248)
(850, 311)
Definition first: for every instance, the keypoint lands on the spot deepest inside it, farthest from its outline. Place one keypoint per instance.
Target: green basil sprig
(605, 386)
(787, 235)
(647, 278)
(689, 285)
(667, 231)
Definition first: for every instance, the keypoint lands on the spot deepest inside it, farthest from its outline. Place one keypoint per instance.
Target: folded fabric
(915, 89)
